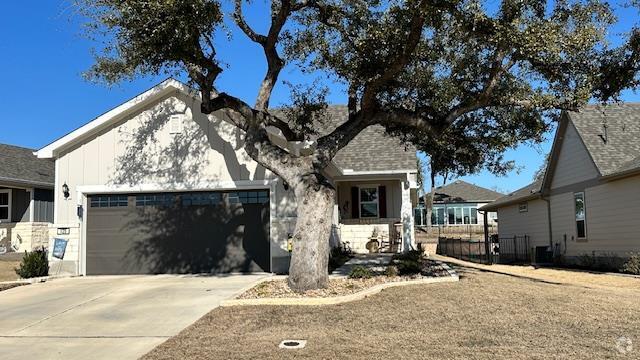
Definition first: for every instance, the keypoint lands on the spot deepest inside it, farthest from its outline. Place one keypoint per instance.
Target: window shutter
(355, 202)
(382, 201)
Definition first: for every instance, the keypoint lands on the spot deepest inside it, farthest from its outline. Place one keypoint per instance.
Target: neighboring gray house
(26, 199)
(589, 199)
(158, 187)
(456, 204)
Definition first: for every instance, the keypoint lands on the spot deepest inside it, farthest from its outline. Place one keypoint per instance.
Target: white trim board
(157, 187)
(8, 206)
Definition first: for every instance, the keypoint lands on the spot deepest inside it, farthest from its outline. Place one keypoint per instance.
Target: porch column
(406, 213)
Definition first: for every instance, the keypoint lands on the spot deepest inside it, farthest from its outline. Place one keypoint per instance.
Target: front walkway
(555, 275)
(106, 317)
(376, 260)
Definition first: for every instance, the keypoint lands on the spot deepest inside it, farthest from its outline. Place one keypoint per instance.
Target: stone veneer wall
(29, 235)
(358, 231)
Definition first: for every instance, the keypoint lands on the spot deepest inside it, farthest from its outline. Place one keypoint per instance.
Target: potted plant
(373, 245)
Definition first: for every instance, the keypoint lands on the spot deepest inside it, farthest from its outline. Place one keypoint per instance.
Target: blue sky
(43, 54)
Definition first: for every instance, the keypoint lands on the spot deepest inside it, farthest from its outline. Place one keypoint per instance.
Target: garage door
(178, 233)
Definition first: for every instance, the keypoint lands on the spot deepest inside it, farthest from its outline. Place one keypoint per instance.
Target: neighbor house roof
(19, 166)
(610, 134)
(372, 150)
(462, 191)
(528, 192)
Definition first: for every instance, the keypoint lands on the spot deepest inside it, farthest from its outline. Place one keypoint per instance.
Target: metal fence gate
(511, 250)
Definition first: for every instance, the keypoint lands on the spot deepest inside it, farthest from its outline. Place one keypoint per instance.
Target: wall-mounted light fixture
(65, 191)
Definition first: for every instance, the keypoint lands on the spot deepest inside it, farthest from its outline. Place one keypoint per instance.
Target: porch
(25, 214)
(374, 215)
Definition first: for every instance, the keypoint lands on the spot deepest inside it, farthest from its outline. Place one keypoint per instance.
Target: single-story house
(155, 186)
(26, 199)
(456, 205)
(588, 201)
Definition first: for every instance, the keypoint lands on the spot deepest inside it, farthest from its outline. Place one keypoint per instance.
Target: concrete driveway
(106, 317)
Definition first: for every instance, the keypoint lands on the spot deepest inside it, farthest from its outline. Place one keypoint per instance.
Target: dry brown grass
(7, 272)
(484, 316)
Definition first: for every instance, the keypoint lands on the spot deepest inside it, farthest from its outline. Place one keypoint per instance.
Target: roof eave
(25, 183)
(621, 174)
(493, 207)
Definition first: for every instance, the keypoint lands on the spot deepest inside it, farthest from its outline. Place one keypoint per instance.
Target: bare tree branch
(268, 43)
(238, 17)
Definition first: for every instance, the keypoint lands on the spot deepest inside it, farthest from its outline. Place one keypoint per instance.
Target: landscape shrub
(409, 267)
(632, 265)
(587, 261)
(360, 272)
(33, 264)
(609, 261)
(409, 263)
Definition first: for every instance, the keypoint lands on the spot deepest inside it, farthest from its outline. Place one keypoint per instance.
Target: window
(581, 226)
(523, 207)
(155, 200)
(201, 199)
(368, 202)
(249, 197)
(104, 201)
(454, 214)
(5, 205)
(175, 124)
(437, 216)
(474, 215)
(458, 216)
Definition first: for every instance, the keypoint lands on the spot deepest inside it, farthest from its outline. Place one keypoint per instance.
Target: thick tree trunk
(428, 200)
(310, 256)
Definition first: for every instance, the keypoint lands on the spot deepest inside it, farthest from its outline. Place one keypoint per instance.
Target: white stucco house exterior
(155, 186)
(589, 199)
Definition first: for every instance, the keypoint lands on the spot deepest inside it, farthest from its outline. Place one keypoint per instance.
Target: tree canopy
(482, 75)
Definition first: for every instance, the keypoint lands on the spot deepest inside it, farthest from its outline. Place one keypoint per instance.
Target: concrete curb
(453, 277)
(37, 279)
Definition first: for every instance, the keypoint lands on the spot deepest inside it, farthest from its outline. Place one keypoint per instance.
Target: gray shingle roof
(462, 191)
(530, 191)
(19, 165)
(371, 150)
(621, 152)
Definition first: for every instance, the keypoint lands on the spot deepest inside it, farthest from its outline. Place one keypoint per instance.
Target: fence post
(486, 238)
(515, 247)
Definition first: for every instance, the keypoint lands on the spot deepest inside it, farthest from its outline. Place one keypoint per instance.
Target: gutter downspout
(548, 201)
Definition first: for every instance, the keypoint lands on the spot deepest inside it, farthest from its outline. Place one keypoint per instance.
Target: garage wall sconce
(65, 191)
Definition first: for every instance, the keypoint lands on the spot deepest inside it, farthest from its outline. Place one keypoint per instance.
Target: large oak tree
(479, 70)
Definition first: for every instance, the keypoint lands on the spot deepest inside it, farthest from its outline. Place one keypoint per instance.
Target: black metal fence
(511, 250)
(466, 249)
(514, 250)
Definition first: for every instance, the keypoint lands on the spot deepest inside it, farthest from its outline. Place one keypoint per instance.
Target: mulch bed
(339, 286)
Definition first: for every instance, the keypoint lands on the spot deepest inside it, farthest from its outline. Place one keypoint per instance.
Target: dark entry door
(178, 233)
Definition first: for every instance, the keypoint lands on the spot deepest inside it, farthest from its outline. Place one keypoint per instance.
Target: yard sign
(59, 247)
